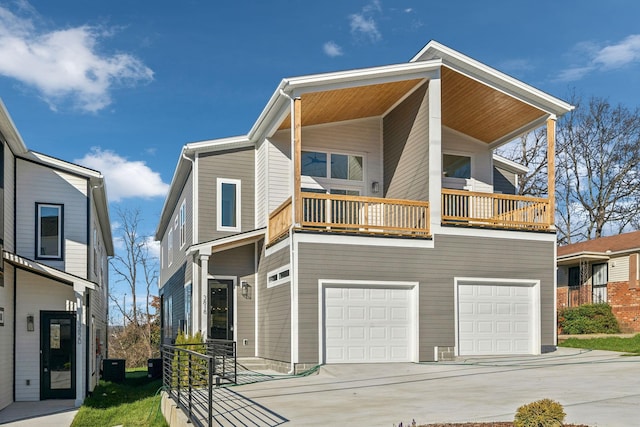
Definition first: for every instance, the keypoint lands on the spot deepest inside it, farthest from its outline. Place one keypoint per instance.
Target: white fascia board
(217, 144)
(10, 132)
(570, 259)
(509, 165)
(492, 77)
(294, 87)
(101, 201)
(363, 77)
(241, 238)
(46, 160)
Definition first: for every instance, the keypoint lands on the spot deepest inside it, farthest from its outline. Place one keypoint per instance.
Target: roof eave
(488, 75)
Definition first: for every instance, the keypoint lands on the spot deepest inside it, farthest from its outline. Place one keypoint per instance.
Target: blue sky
(121, 86)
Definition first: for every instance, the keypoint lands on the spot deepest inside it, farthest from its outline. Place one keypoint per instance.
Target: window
(454, 166)
(345, 166)
(574, 276)
(342, 166)
(168, 317)
(187, 308)
(49, 231)
(228, 205)
(314, 164)
(279, 276)
(169, 247)
(183, 221)
(599, 274)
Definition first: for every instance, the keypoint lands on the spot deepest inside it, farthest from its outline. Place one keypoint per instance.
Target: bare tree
(133, 266)
(530, 150)
(597, 169)
(599, 153)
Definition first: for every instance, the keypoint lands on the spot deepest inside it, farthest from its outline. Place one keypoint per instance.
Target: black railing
(191, 371)
(224, 359)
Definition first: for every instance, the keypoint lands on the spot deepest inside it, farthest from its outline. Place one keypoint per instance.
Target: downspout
(292, 252)
(195, 283)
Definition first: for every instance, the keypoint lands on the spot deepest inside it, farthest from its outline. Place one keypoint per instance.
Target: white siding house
(54, 287)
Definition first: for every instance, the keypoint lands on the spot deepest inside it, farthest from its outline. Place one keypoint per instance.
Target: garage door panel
(377, 326)
(378, 313)
(356, 294)
(495, 319)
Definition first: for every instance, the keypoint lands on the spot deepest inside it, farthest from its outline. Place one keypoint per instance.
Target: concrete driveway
(597, 388)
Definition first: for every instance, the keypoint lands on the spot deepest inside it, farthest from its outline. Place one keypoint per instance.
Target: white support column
(435, 153)
(195, 296)
(204, 289)
(80, 347)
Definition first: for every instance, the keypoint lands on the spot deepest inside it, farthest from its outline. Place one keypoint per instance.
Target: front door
(221, 309)
(57, 344)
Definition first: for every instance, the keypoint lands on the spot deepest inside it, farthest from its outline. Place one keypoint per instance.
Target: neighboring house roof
(79, 284)
(600, 248)
(10, 132)
(96, 180)
(509, 165)
(369, 92)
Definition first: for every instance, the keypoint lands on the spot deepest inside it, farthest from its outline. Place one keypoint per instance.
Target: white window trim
(39, 231)
(219, 225)
(183, 223)
(169, 247)
(328, 183)
(279, 280)
(453, 180)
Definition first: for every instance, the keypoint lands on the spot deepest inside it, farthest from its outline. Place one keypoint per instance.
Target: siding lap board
(434, 269)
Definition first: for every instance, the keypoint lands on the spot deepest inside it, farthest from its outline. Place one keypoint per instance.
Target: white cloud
(65, 64)
(125, 178)
(609, 57)
(364, 25)
(153, 246)
(621, 54)
(332, 49)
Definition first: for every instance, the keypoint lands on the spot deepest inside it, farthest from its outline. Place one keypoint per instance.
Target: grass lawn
(626, 345)
(136, 402)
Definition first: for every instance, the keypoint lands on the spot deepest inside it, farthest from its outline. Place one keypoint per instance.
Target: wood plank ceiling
(468, 106)
(351, 103)
(480, 111)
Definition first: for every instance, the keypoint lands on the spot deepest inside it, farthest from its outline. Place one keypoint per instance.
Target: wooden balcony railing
(495, 210)
(354, 214)
(279, 221)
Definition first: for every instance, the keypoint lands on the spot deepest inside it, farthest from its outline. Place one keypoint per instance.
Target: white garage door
(368, 325)
(495, 319)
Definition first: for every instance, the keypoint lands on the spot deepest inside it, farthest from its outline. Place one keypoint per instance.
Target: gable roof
(500, 109)
(12, 137)
(626, 242)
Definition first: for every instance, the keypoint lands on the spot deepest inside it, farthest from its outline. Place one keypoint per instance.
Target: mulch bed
(493, 424)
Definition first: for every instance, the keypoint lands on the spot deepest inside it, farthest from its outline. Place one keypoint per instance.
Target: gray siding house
(55, 244)
(360, 220)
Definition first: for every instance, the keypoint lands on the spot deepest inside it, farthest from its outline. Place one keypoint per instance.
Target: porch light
(375, 187)
(244, 288)
(30, 324)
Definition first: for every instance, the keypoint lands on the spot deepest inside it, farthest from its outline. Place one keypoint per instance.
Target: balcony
(511, 212)
(353, 214)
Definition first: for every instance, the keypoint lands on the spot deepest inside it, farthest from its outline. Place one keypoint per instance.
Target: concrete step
(252, 364)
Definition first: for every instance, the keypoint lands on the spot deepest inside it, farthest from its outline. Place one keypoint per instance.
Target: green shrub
(588, 319)
(541, 413)
(199, 368)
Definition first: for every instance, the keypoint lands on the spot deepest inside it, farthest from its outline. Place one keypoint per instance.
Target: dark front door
(221, 309)
(57, 344)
